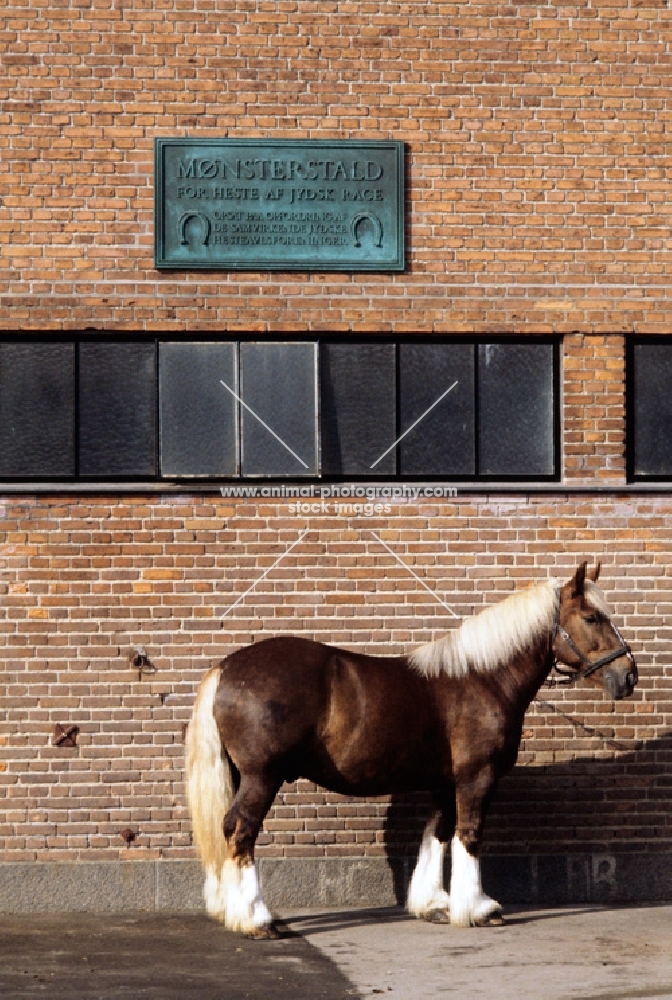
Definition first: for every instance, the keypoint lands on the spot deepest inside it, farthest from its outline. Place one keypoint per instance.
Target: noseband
(590, 666)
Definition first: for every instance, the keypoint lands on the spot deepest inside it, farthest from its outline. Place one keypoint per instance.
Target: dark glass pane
(198, 415)
(442, 440)
(515, 399)
(117, 409)
(652, 385)
(37, 409)
(278, 388)
(358, 408)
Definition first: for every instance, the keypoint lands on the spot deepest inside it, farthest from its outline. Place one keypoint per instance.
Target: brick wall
(593, 400)
(84, 580)
(538, 158)
(538, 168)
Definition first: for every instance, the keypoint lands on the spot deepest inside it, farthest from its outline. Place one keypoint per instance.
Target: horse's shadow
(567, 828)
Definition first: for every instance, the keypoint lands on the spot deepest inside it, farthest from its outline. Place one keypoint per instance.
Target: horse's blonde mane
(492, 637)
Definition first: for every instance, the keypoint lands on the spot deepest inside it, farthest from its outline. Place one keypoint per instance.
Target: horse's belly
(370, 763)
(361, 782)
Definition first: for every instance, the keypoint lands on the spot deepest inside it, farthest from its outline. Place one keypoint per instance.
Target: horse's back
(279, 657)
(290, 669)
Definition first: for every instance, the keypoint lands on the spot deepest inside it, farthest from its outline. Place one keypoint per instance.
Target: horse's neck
(522, 677)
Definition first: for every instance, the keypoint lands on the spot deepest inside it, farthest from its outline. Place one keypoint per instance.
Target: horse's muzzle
(620, 684)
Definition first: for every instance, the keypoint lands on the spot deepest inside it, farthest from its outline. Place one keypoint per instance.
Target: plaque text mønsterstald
(275, 204)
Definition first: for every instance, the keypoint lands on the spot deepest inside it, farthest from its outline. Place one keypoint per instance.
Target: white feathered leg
(426, 893)
(242, 907)
(469, 905)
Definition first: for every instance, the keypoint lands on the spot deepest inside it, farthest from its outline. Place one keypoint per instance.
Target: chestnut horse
(446, 719)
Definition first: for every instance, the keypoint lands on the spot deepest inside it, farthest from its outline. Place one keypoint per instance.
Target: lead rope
(590, 730)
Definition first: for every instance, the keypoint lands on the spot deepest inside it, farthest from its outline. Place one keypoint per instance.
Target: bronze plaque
(253, 204)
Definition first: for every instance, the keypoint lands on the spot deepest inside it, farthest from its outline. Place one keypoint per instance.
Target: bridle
(590, 666)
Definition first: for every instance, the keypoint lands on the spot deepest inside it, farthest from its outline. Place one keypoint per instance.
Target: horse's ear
(579, 580)
(596, 572)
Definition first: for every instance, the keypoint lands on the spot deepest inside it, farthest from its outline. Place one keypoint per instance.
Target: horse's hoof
(491, 920)
(267, 933)
(438, 917)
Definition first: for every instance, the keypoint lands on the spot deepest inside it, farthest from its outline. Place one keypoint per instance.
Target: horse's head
(587, 641)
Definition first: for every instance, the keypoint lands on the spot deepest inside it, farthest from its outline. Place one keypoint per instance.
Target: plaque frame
(348, 234)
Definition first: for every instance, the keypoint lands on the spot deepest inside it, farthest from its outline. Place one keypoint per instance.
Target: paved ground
(580, 953)
(156, 957)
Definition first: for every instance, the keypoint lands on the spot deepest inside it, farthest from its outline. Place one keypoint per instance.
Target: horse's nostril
(631, 679)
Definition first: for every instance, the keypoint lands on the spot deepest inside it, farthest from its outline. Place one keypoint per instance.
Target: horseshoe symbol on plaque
(377, 228)
(205, 227)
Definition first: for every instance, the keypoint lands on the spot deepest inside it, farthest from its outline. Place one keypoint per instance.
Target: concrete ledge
(115, 887)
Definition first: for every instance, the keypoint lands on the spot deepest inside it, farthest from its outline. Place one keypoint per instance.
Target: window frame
(631, 418)
(204, 482)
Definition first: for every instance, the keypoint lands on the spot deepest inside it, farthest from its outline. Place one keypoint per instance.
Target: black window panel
(117, 409)
(358, 409)
(197, 414)
(516, 406)
(442, 442)
(100, 409)
(278, 409)
(37, 410)
(652, 384)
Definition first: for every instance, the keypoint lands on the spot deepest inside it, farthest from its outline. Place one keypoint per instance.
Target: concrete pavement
(576, 953)
(573, 953)
(149, 956)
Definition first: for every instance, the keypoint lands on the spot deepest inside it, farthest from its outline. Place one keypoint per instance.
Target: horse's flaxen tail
(210, 788)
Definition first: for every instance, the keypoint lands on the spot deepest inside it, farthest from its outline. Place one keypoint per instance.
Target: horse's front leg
(427, 897)
(469, 906)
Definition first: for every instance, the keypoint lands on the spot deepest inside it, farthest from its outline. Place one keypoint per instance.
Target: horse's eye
(591, 619)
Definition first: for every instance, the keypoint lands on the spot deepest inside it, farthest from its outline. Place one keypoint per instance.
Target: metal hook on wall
(139, 660)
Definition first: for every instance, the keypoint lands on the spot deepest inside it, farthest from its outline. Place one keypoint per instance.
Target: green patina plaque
(230, 204)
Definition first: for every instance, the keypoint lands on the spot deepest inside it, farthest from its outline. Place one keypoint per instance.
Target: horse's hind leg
(427, 897)
(243, 908)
